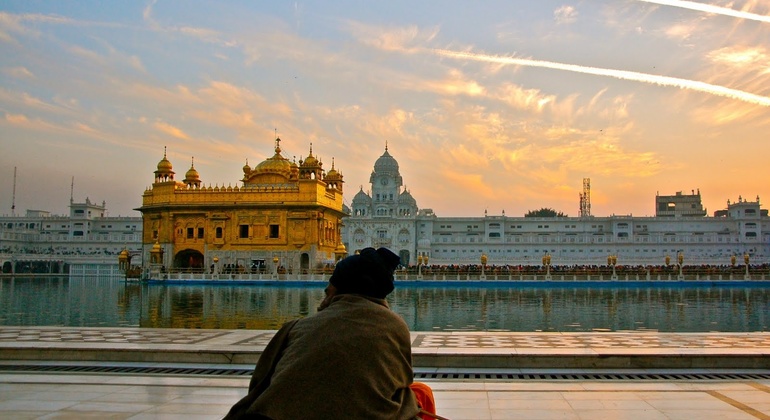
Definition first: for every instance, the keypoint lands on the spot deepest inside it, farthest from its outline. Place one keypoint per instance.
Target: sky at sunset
(488, 105)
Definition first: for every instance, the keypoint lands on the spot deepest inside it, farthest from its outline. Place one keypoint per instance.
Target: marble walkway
(741, 362)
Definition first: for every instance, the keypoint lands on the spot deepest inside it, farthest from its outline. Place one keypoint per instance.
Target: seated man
(353, 359)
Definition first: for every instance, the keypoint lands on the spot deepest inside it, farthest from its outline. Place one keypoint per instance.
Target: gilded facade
(284, 214)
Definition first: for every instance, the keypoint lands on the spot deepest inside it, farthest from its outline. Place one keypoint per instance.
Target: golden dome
(333, 174)
(276, 164)
(310, 160)
(246, 167)
(164, 165)
(192, 174)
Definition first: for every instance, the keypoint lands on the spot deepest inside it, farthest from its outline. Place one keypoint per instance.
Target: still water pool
(99, 302)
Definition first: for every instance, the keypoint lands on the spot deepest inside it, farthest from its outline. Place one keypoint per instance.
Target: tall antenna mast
(13, 202)
(72, 190)
(585, 198)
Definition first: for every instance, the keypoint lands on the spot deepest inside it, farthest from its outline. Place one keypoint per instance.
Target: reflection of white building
(86, 242)
(389, 217)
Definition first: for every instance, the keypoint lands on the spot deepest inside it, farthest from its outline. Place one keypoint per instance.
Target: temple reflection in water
(96, 302)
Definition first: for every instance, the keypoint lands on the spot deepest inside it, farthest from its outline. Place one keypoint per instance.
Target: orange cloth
(425, 400)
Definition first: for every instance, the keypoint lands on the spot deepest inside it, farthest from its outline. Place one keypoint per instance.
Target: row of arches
(193, 260)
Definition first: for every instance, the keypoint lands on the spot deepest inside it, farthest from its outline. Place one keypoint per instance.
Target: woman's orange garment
(425, 400)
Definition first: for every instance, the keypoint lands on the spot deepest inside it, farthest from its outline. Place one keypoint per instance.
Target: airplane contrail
(708, 8)
(618, 74)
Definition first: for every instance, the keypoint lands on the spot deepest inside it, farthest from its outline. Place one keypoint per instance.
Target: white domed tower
(407, 205)
(386, 185)
(387, 217)
(362, 204)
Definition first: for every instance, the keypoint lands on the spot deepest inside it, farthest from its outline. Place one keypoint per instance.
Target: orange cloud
(171, 130)
(17, 119)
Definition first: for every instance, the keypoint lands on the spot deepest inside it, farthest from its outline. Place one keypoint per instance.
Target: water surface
(99, 302)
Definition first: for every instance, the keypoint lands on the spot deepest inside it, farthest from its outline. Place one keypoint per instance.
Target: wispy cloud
(19, 72)
(170, 130)
(618, 74)
(745, 58)
(565, 15)
(392, 38)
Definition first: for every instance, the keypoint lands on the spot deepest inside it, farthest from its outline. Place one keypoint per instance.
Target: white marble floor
(67, 396)
(134, 396)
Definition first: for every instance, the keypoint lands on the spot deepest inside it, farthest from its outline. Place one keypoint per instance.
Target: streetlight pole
(680, 260)
(612, 260)
(483, 266)
(275, 266)
(547, 264)
(419, 267)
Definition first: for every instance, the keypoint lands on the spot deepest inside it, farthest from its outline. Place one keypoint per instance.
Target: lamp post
(483, 266)
(419, 267)
(275, 266)
(123, 260)
(612, 261)
(547, 264)
(746, 276)
(680, 260)
(215, 268)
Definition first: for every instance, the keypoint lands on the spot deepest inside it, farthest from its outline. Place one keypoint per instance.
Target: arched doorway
(404, 254)
(304, 263)
(189, 259)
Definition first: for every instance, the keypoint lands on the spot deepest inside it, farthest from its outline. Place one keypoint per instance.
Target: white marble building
(389, 216)
(85, 242)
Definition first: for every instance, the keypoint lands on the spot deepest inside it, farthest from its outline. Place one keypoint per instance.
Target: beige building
(284, 214)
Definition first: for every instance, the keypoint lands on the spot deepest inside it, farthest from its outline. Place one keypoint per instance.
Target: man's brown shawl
(351, 360)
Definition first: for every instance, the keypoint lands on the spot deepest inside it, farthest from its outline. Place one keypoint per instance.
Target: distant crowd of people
(582, 270)
(52, 251)
(505, 270)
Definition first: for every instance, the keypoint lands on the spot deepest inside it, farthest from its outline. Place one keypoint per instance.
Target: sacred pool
(429, 306)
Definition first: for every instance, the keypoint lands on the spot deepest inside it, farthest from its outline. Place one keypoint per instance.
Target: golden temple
(284, 214)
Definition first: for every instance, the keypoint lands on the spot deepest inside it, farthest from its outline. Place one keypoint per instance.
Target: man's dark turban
(369, 273)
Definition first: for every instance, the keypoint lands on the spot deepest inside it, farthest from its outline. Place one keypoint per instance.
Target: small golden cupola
(310, 168)
(192, 178)
(165, 172)
(294, 169)
(333, 179)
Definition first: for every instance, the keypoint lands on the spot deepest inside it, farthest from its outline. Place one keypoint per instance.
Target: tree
(545, 212)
